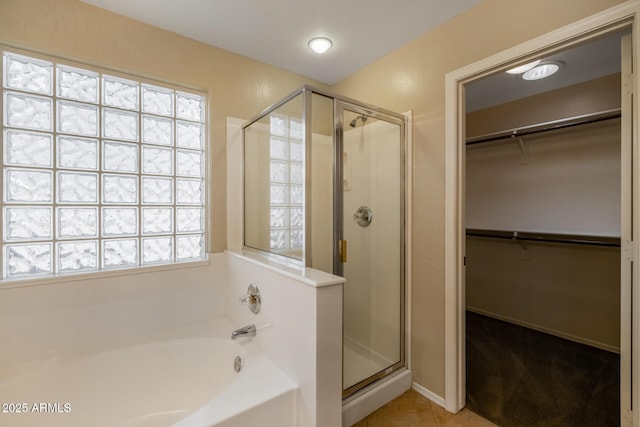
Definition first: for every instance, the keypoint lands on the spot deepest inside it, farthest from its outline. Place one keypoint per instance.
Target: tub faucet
(247, 331)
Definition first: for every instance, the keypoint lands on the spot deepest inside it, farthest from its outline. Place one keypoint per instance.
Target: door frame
(340, 106)
(616, 18)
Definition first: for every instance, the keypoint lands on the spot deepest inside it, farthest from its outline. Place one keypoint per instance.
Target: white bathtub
(185, 382)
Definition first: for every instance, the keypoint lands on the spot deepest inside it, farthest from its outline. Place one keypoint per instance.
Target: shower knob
(252, 299)
(363, 216)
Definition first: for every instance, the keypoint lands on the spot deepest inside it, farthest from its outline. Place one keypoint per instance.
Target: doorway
(542, 285)
(603, 24)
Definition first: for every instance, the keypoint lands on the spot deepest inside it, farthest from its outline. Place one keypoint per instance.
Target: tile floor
(413, 410)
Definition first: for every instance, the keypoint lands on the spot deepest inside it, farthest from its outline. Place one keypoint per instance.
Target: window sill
(74, 277)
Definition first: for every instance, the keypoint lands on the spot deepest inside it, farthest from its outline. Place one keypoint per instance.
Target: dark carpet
(518, 377)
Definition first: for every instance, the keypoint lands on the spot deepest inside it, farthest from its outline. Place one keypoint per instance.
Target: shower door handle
(342, 250)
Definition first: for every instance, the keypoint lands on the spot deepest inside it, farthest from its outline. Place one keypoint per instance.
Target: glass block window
(286, 170)
(100, 171)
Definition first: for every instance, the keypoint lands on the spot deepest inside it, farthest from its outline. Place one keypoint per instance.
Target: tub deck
(183, 379)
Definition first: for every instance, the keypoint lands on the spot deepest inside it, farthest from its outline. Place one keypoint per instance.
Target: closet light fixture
(541, 71)
(523, 68)
(320, 44)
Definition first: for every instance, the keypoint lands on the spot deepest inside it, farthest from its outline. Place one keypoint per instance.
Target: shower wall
(371, 296)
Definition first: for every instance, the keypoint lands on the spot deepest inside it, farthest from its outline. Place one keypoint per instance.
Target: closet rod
(544, 127)
(576, 239)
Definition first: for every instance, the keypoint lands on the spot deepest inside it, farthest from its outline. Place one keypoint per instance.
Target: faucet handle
(252, 298)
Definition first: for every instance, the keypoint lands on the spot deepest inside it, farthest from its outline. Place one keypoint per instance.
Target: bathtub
(182, 381)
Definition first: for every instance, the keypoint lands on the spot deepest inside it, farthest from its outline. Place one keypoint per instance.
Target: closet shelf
(575, 239)
(548, 126)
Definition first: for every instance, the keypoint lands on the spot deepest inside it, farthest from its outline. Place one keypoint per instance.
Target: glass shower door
(370, 250)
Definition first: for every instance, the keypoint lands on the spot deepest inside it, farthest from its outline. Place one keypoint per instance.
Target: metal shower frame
(341, 103)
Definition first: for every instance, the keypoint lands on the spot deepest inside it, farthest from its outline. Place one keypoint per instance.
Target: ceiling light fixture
(541, 71)
(523, 68)
(320, 45)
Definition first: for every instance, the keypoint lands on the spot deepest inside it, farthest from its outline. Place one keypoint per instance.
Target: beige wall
(572, 291)
(590, 97)
(412, 78)
(570, 184)
(237, 86)
(256, 183)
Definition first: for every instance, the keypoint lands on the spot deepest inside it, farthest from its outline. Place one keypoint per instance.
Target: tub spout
(247, 331)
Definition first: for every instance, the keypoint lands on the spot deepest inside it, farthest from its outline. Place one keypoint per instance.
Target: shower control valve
(252, 298)
(363, 216)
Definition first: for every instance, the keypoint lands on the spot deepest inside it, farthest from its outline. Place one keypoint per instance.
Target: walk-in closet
(543, 226)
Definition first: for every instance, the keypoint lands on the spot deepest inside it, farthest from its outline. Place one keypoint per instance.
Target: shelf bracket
(524, 153)
(524, 250)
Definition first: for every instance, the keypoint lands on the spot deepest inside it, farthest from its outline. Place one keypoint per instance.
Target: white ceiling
(277, 31)
(582, 63)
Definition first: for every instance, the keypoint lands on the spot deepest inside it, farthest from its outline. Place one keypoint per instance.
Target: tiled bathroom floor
(413, 410)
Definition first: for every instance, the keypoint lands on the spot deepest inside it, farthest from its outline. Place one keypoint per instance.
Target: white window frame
(54, 240)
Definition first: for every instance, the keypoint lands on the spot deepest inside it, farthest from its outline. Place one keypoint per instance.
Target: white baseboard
(428, 394)
(549, 331)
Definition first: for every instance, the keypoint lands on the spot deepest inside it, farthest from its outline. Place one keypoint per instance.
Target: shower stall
(324, 187)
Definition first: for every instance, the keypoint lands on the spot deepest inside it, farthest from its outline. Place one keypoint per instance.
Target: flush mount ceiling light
(320, 44)
(541, 71)
(523, 68)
